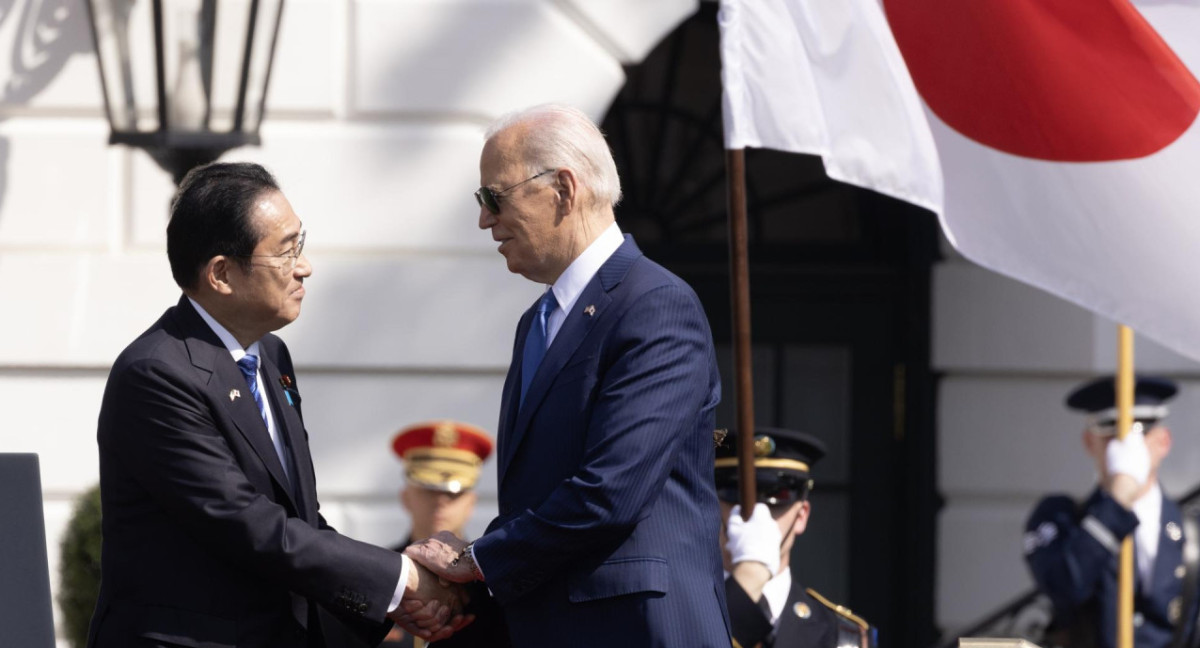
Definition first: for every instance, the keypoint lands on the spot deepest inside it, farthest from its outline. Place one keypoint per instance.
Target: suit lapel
(589, 308)
(287, 420)
(510, 399)
(574, 329)
(227, 385)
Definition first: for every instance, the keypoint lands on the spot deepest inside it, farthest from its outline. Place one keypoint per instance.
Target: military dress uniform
(783, 460)
(444, 456)
(808, 620)
(1073, 549)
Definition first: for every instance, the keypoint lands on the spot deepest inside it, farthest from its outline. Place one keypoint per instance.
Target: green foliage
(80, 567)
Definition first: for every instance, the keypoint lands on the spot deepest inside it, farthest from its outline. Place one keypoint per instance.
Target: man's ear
(406, 498)
(801, 522)
(216, 274)
(566, 187)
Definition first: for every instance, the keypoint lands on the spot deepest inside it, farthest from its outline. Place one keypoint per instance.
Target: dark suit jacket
(1076, 569)
(205, 543)
(607, 533)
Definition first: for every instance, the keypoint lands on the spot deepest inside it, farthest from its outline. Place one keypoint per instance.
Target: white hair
(564, 137)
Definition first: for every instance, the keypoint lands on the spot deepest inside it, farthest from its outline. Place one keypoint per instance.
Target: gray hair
(562, 136)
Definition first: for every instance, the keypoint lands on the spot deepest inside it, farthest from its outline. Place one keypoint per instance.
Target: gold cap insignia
(764, 446)
(445, 435)
(802, 610)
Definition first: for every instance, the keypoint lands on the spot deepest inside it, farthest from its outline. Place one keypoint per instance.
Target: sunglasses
(490, 200)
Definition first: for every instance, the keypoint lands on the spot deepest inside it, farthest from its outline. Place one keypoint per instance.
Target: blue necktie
(535, 341)
(249, 366)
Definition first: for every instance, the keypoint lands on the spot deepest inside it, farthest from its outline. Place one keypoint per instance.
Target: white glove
(1129, 456)
(757, 539)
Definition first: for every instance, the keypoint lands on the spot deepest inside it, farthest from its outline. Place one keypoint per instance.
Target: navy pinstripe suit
(607, 533)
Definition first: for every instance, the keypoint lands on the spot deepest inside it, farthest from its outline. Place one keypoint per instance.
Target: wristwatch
(466, 555)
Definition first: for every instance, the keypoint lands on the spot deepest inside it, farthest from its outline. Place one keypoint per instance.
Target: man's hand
(441, 555)
(1127, 462)
(757, 539)
(431, 608)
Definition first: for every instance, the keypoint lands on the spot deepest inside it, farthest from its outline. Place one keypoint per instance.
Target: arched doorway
(840, 289)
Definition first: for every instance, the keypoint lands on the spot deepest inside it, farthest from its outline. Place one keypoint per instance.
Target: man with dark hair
(211, 529)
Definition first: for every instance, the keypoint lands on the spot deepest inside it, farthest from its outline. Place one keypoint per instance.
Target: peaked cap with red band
(443, 455)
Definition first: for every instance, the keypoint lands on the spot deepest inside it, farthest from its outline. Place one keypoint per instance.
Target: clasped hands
(434, 598)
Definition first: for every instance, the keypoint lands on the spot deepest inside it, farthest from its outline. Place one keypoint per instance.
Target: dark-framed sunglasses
(490, 200)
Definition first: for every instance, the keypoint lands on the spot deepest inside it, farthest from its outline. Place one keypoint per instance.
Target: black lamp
(182, 79)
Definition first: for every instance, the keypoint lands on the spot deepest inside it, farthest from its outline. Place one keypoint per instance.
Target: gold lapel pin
(590, 310)
(234, 394)
(802, 610)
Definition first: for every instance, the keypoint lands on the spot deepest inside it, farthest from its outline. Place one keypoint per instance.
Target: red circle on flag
(1066, 81)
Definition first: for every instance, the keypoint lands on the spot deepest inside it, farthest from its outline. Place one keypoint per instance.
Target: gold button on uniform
(1180, 571)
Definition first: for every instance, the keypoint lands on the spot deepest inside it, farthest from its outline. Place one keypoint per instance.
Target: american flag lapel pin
(234, 395)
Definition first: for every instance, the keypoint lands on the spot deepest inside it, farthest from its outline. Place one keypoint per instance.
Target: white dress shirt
(1148, 509)
(578, 275)
(236, 350)
(776, 592)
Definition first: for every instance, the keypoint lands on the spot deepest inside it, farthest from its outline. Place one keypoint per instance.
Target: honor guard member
(1072, 548)
(442, 461)
(767, 606)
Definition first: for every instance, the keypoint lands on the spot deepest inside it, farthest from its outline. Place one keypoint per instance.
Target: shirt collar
(579, 274)
(230, 342)
(776, 592)
(1149, 505)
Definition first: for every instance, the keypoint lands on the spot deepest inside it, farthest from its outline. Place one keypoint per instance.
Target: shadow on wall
(48, 33)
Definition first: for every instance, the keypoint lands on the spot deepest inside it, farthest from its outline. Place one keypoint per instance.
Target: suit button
(1138, 619)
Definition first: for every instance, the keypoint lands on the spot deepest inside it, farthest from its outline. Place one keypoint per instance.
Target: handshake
(434, 602)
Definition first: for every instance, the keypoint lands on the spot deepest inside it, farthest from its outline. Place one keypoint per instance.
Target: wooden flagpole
(739, 279)
(1124, 390)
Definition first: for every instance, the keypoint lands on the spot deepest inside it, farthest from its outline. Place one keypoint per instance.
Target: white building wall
(1008, 354)
(376, 115)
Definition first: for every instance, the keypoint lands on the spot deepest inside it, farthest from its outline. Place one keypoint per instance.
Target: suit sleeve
(1068, 554)
(162, 432)
(654, 386)
(748, 622)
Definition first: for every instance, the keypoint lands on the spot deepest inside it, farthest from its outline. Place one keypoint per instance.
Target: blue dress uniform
(1073, 551)
(1073, 548)
(783, 460)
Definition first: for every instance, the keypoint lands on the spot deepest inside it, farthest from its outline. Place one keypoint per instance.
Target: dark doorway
(840, 285)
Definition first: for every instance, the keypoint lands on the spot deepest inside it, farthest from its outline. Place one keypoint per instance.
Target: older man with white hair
(607, 533)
